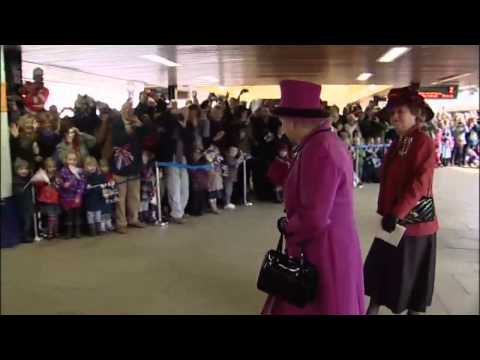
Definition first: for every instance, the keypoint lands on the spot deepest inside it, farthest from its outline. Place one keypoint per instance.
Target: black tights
(374, 308)
(73, 217)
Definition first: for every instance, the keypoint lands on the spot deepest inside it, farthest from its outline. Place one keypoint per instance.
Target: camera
(377, 99)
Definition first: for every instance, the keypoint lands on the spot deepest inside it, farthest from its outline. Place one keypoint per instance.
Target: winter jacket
(126, 158)
(46, 189)
(93, 196)
(23, 195)
(87, 142)
(33, 97)
(71, 188)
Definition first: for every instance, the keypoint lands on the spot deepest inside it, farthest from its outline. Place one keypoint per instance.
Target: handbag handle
(280, 243)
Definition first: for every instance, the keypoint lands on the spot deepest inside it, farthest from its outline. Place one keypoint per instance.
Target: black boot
(78, 232)
(92, 229)
(69, 231)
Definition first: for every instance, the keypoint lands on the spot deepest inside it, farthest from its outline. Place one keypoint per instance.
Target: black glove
(389, 222)
(282, 225)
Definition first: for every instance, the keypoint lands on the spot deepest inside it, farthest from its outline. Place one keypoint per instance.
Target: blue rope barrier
(184, 166)
(371, 146)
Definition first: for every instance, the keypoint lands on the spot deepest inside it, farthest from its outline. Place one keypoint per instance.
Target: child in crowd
(215, 182)
(446, 144)
(93, 197)
(147, 188)
(471, 157)
(198, 185)
(358, 155)
(23, 195)
(110, 194)
(71, 184)
(232, 160)
(48, 196)
(278, 171)
(371, 164)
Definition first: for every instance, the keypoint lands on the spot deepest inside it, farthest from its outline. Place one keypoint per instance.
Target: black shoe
(78, 233)
(69, 232)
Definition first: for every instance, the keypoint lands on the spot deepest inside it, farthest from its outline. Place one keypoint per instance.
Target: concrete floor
(210, 265)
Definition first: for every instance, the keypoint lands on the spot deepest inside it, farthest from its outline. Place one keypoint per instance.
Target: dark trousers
(26, 223)
(458, 154)
(197, 202)
(261, 186)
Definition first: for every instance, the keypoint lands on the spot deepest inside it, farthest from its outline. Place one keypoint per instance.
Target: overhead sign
(439, 92)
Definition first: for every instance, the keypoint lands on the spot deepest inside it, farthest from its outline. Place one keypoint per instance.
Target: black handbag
(291, 279)
(424, 211)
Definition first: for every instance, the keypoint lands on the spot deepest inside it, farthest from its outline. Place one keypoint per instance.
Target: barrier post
(37, 238)
(357, 154)
(159, 197)
(245, 190)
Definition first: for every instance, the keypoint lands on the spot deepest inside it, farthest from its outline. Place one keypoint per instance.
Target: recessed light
(450, 78)
(209, 78)
(159, 59)
(393, 54)
(364, 76)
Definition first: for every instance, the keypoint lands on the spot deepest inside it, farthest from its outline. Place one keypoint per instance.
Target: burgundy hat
(300, 99)
(406, 96)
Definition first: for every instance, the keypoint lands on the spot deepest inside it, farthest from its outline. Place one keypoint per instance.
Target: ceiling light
(393, 54)
(364, 76)
(159, 59)
(450, 78)
(209, 78)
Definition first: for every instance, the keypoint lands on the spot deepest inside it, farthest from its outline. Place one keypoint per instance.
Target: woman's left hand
(282, 224)
(389, 222)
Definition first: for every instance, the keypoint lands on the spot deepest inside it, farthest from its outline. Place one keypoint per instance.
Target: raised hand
(14, 130)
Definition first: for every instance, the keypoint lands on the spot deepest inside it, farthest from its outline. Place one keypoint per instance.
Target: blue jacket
(93, 198)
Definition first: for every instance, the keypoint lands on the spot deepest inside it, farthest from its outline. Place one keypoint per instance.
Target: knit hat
(19, 163)
(37, 72)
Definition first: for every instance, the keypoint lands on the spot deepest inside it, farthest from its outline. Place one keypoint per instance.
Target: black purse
(291, 279)
(424, 211)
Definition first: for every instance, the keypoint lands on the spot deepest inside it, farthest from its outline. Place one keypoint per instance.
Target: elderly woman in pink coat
(319, 205)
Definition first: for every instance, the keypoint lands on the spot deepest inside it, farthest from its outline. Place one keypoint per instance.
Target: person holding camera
(402, 277)
(35, 94)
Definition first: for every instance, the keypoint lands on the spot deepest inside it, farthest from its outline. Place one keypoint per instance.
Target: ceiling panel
(261, 64)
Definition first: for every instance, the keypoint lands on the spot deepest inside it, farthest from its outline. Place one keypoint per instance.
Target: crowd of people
(456, 138)
(95, 167)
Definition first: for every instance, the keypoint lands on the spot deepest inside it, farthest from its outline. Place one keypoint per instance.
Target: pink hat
(300, 99)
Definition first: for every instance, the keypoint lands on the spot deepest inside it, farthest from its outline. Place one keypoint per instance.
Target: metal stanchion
(37, 238)
(245, 190)
(357, 155)
(159, 199)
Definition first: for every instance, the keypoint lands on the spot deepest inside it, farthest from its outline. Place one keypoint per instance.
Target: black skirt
(402, 277)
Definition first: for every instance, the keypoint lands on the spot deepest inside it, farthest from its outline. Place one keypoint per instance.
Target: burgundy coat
(320, 212)
(278, 171)
(406, 178)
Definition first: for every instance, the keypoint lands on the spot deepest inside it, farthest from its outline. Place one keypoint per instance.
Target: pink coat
(320, 212)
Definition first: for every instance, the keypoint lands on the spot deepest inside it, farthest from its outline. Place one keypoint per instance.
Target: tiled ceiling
(261, 64)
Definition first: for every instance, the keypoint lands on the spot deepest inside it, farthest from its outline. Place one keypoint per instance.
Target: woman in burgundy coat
(319, 206)
(402, 277)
